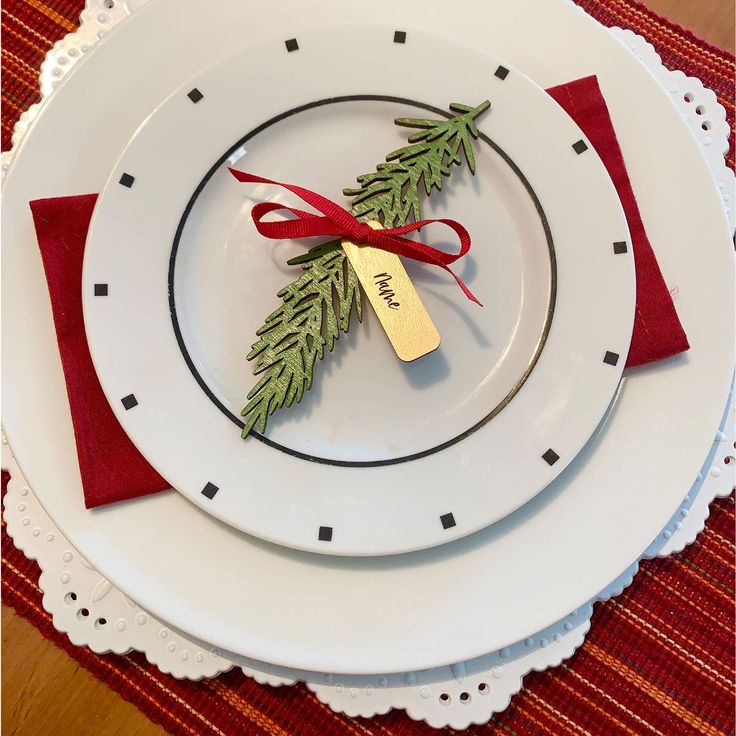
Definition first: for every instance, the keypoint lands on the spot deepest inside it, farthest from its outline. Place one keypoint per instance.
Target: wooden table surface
(45, 692)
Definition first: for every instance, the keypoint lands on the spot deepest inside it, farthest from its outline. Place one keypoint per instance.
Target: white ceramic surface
(442, 465)
(421, 609)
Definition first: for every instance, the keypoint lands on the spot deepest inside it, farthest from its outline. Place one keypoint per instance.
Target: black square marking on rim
(325, 534)
(292, 45)
(195, 95)
(100, 289)
(127, 180)
(580, 147)
(502, 72)
(550, 457)
(448, 521)
(210, 490)
(610, 358)
(399, 36)
(129, 401)
(620, 247)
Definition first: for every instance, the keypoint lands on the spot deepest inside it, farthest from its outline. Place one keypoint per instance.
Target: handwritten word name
(385, 291)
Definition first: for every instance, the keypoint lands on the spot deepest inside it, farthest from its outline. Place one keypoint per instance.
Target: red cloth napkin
(658, 333)
(111, 467)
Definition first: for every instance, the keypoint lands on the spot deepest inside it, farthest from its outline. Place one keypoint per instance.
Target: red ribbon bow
(339, 222)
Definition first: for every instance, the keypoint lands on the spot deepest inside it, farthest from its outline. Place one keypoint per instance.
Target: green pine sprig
(297, 333)
(319, 304)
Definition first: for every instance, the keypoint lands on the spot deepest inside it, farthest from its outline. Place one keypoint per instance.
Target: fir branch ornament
(318, 306)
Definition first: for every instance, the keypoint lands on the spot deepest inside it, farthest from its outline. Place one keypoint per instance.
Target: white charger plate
(380, 457)
(412, 611)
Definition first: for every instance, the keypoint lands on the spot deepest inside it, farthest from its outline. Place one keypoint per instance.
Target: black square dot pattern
(292, 45)
(550, 457)
(129, 401)
(325, 534)
(580, 147)
(210, 490)
(399, 36)
(610, 358)
(195, 95)
(127, 180)
(448, 521)
(100, 289)
(502, 72)
(620, 247)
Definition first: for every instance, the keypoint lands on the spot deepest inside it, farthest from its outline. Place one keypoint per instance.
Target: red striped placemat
(659, 659)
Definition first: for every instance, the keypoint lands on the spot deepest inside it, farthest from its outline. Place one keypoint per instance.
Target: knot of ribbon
(337, 221)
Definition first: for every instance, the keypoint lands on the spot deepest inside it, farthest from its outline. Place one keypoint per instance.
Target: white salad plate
(380, 457)
(456, 601)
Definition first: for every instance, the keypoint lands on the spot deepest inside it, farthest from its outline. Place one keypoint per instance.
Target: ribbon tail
(462, 285)
(389, 241)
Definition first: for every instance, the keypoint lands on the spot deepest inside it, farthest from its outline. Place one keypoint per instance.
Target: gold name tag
(394, 299)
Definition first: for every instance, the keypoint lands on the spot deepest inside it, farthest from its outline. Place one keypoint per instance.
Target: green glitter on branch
(319, 304)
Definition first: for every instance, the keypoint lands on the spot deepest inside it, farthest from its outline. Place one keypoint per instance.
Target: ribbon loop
(339, 222)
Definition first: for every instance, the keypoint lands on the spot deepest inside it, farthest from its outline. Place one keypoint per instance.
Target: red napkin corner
(111, 467)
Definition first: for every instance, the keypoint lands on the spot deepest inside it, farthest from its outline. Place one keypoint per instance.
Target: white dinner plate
(380, 457)
(412, 611)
